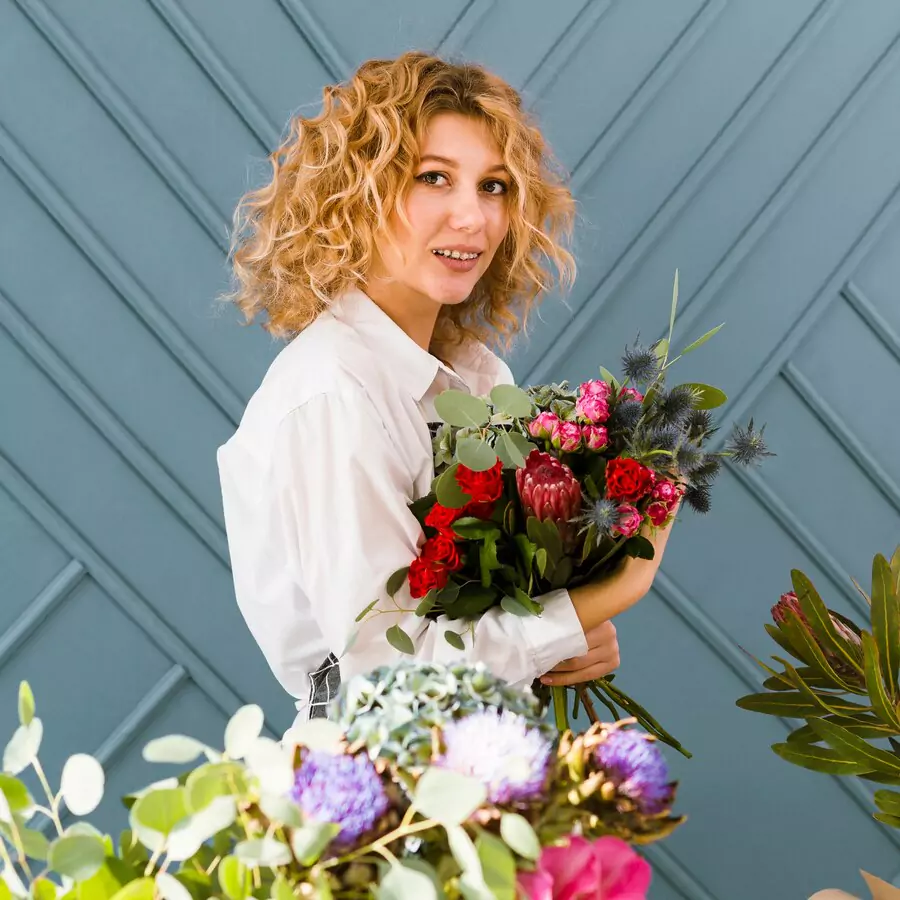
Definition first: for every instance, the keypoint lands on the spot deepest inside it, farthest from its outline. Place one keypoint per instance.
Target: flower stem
(54, 803)
(560, 713)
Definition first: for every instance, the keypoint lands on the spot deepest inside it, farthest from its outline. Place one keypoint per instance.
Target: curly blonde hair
(308, 234)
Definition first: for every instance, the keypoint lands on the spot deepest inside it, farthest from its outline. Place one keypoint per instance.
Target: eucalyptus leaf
(173, 748)
(475, 454)
(524, 445)
(447, 796)
(497, 865)
(77, 856)
(280, 809)
(510, 454)
(189, 835)
(405, 883)
(272, 765)
(42, 889)
(316, 734)
(639, 547)
(234, 878)
(82, 783)
(464, 852)
(394, 583)
(448, 491)
(370, 606)
(400, 640)
(26, 703)
(475, 528)
(16, 794)
(140, 889)
(427, 603)
(161, 810)
(243, 729)
(512, 401)
(23, 747)
(707, 396)
(513, 606)
(263, 852)
(516, 830)
(310, 841)
(454, 640)
(170, 888)
(207, 782)
(461, 409)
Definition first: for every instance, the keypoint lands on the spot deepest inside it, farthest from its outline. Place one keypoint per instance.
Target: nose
(466, 213)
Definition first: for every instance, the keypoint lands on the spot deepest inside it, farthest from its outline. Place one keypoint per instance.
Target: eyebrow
(449, 162)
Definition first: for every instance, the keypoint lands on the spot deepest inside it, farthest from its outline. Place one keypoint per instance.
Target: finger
(579, 676)
(592, 657)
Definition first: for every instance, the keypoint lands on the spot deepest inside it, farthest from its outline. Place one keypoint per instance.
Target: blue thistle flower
(747, 445)
(345, 790)
(602, 514)
(636, 766)
(664, 437)
(697, 497)
(688, 457)
(675, 406)
(640, 364)
(508, 755)
(625, 415)
(700, 424)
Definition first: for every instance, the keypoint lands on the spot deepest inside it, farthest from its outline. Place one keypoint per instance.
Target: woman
(407, 224)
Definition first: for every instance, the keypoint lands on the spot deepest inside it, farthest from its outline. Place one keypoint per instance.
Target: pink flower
(629, 522)
(595, 388)
(607, 869)
(666, 492)
(566, 436)
(658, 512)
(631, 394)
(542, 425)
(595, 437)
(592, 407)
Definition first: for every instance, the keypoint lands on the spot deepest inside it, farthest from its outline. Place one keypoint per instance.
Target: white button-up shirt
(316, 483)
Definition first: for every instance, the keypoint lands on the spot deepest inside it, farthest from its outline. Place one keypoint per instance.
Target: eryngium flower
(747, 445)
(635, 765)
(699, 424)
(675, 406)
(640, 364)
(342, 789)
(503, 751)
(697, 497)
(625, 415)
(603, 514)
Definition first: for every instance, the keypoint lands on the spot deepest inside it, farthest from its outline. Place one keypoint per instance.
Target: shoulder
(327, 363)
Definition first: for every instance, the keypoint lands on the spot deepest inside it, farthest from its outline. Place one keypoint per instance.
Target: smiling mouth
(456, 254)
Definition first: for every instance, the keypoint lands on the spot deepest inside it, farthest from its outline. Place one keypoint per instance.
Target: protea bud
(550, 491)
(789, 608)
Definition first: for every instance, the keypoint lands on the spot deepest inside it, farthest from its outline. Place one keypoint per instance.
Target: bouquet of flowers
(548, 488)
(434, 781)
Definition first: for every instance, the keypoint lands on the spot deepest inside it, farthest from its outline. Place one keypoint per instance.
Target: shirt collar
(416, 368)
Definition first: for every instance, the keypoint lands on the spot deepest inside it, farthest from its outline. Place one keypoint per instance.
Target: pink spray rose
(658, 512)
(595, 437)
(594, 408)
(566, 436)
(631, 394)
(666, 492)
(607, 869)
(596, 388)
(542, 425)
(629, 521)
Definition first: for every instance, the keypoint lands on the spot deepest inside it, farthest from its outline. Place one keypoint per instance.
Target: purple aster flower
(503, 751)
(345, 790)
(637, 768)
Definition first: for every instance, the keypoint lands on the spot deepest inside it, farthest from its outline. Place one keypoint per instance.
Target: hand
(601, 659)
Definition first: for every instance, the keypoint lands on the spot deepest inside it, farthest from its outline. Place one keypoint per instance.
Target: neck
(415, 313)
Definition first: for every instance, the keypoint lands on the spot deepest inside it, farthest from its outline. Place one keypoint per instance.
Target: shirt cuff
(556, 634)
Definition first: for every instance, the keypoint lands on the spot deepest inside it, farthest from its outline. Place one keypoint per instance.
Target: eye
(426, 177)
(501, 187)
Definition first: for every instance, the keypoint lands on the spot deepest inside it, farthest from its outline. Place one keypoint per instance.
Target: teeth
(455, 254)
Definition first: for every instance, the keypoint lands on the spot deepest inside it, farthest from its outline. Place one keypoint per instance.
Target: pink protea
(549, 490)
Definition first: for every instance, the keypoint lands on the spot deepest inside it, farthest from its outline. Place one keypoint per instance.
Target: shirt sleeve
(343, 490)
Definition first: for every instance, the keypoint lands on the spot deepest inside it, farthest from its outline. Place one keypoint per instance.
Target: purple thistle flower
(345, 790)
(635, 765)
(508, 755)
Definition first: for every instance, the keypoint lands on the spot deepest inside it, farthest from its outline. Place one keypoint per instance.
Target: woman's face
(457, 208)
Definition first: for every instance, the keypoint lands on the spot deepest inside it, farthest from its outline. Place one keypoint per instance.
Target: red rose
(440, 550)
(423, 576)
(479, 510)
(481, 486)
(627, 479)
(443, 517)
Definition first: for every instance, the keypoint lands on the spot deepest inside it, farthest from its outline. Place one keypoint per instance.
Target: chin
(451, 295)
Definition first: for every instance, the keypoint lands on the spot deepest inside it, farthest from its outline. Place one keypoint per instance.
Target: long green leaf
(887, 819)
(800, 637)
(793, 705)
(872, 758)
(820, 759)
(881, 703)
(673, 309)
(819, 618)
(862, 725)
(895, 570)
(886, 622)
(702, 340)
(816, 698)
(888, 801)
